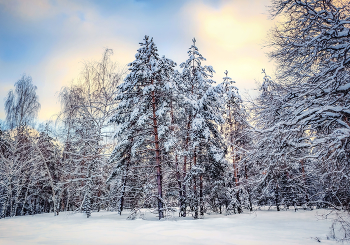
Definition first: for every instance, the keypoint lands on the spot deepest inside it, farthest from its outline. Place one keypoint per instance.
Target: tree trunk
(185, 168)
(249, 196)
(201, 204)
(234, 165)
(195, 187)
(178, 177)
(277, 198)
(304, 180)
(157, 150)
(121, 202)
(178, 174)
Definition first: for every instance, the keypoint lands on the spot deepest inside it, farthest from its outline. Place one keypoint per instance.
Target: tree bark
(201, 204)
(195, 188)
(157, 150)
(185, 167)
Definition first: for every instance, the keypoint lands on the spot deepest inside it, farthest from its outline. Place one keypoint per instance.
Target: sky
(50, 40)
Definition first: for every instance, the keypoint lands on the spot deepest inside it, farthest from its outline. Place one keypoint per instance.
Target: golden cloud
(231, 37)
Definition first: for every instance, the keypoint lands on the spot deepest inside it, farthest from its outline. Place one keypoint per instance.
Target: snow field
(261, 227)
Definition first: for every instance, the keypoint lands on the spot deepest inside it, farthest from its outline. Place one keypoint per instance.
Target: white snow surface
(260, 227)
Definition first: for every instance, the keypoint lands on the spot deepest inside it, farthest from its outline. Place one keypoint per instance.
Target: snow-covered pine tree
(172, 185)
(143, 121)
(236, 132)
(209, 145)
(203, 147)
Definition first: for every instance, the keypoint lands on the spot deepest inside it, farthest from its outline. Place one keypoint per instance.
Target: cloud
(50, 40)
(231, 37)
(28, 10)
(64, 66)
(75, 34)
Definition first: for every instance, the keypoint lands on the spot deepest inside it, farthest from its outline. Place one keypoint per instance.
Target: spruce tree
(143, 122)
(203, 147)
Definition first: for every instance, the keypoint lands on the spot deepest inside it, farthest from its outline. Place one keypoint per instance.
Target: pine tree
(236, 132)
(143, 122)
(203, 147)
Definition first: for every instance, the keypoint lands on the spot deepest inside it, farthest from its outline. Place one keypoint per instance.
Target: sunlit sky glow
(50, 39)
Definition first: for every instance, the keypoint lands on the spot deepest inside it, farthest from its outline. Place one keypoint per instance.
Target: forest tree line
(160, 138)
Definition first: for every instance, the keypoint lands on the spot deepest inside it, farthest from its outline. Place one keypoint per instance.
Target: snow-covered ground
(261, 227)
